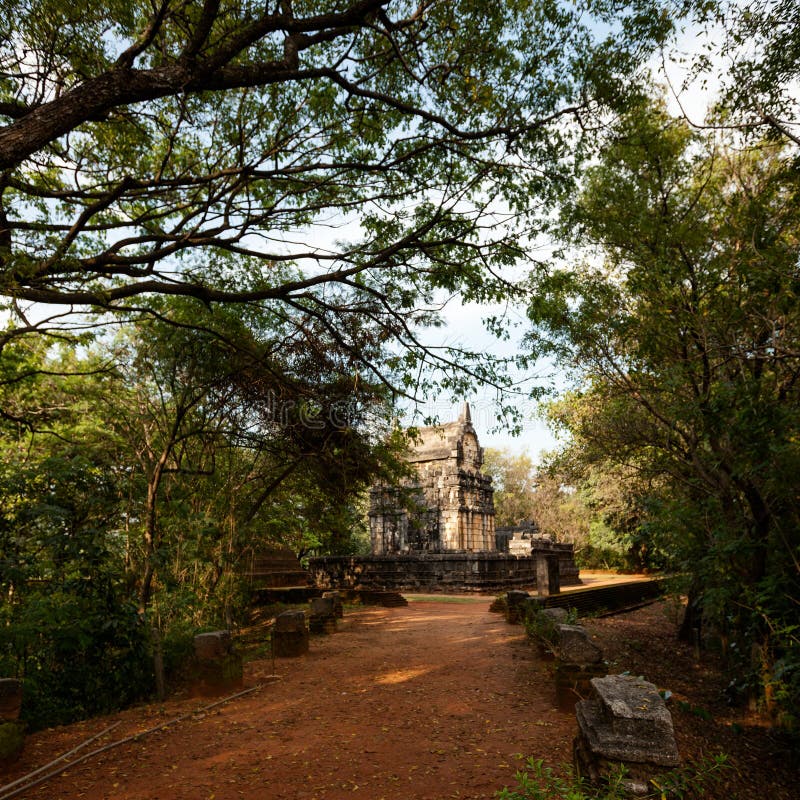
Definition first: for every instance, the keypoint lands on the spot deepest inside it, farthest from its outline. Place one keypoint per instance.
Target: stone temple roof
(438, 442)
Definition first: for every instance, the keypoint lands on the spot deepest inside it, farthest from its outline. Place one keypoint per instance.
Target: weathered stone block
(290, 635)
(624, 720)
(209, 646)
(575, 646)
(219, 666)
(322, 606)
(515, 610)
(548, 575)
(338, 606)
(290, 622)
(322, 618)
(10, 699)
(12, 740)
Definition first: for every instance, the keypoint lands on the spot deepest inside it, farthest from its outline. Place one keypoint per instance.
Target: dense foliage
(592, 510)
(358, 160)
(513, 480)
(334, 171)
(140, 474)
(684, 335)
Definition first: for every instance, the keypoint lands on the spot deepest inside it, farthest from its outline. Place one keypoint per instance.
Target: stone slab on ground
(625, 719)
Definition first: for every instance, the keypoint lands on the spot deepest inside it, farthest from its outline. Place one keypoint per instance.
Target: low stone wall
(455, 572)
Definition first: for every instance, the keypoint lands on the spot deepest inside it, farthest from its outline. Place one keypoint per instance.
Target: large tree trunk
(150, 532)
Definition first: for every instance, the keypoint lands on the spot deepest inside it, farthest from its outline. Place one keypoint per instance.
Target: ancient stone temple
(447, 507)
(435, 531)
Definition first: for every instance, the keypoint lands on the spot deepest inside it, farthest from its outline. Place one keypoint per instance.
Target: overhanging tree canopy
(271, 152)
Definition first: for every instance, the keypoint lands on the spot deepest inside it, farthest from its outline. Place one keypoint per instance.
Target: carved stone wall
(483, 572)
(448, 507)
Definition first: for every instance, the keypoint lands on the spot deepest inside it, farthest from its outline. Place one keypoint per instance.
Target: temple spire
(466, 416)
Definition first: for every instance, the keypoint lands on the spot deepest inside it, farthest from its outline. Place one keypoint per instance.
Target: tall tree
(140, 473)
(686, 336)
(212, 402)
(68, 621)
(513, 480)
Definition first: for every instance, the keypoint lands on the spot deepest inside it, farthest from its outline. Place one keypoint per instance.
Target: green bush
(77, 654)
(542, 627)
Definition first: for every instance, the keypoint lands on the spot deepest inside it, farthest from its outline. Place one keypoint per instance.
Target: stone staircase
(277, 568)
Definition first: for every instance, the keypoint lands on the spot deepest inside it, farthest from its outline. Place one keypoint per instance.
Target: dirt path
(427, 702)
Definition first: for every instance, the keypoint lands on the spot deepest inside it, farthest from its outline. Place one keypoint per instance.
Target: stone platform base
(289, 595)
(448, 573)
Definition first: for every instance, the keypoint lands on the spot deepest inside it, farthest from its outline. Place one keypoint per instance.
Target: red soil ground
(428, 702)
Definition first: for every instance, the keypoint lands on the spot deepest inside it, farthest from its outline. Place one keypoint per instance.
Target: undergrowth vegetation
(539, 782)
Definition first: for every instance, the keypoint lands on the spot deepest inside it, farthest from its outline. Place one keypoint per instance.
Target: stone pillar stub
(219, 666)
(548, 574)
(322, 606)
(322, 618)
(290, 635)
(290, 621)
(338, 606)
